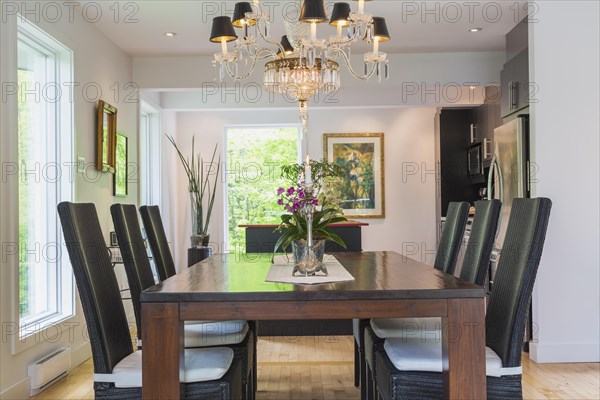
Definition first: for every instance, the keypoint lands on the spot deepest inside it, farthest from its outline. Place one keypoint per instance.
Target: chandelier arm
(346, 59)
(267, 53)
(260, 54)
(241, 77)
(340, 42)
(267, 39)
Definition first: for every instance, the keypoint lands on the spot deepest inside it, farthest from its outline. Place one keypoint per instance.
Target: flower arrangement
(199, 185)
(324, 199)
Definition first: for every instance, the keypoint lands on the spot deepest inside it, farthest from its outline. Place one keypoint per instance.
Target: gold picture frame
(361, 156)
(106, 137)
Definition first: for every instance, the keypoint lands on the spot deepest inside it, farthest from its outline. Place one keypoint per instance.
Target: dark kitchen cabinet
(514, 79)
(456, 183)
(487, 118)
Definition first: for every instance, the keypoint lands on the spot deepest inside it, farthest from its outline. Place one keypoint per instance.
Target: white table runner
(281, 271)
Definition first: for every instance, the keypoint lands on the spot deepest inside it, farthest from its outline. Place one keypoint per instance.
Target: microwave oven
(475, 159)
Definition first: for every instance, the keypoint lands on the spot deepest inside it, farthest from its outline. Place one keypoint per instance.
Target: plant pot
(199, 241)
(303, 263)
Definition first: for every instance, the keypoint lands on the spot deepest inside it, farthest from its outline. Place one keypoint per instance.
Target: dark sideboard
(262, 238)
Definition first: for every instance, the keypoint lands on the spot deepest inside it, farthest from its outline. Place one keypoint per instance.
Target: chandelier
(300, 63)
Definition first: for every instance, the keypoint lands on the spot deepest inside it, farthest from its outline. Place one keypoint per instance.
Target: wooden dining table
(386, 284)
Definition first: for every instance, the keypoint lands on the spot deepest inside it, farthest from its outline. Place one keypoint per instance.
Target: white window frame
(63, 124)
(150, 166)
(302, 151)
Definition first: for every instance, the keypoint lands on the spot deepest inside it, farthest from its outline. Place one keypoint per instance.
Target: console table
(262, 238)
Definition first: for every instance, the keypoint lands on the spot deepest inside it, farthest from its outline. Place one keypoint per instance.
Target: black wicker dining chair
(161, 253)
(411, 369)
(452, 236)
(234, 334)
(210, 373)
(445, 260)
(474, 269)
(159, 244)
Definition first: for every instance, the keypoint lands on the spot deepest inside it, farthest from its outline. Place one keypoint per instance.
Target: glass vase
(308, 261)
(197, 239)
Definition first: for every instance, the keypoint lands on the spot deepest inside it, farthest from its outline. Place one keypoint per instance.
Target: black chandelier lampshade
(313, 11)
(222, 28)
(340, 14)
(287, 47)
(239, 14)
(380, 30)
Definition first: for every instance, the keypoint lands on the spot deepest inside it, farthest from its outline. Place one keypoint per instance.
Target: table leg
(464, 349)
(163, 357)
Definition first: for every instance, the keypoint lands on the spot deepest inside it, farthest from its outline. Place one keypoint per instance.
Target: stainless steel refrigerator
(508, 176)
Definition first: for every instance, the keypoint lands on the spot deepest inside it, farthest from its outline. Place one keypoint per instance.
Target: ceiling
(416, 27)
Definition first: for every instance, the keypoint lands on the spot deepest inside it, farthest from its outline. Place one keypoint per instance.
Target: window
(254, 159)
(45, 154)
(150, 156)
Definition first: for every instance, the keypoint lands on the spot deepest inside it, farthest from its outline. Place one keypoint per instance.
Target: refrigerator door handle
(495, 166)
(495, 169)
(500, 180)
(490, 195)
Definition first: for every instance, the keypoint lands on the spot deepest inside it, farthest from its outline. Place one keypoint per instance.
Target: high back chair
(481, 241)
(411, 369)
(452, 236)
(234, 334)
(474, 269)
(445, 260)
(117, 368)
(155, 232)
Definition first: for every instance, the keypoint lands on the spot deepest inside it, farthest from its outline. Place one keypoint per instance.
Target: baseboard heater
(49, 370)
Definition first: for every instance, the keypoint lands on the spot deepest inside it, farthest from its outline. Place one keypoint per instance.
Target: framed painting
(361, 157)
(120, 179)
(106, 137)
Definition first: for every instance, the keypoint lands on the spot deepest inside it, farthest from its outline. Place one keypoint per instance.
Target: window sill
(50, 330)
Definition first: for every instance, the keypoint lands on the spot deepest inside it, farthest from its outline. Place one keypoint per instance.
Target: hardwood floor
(323, 368)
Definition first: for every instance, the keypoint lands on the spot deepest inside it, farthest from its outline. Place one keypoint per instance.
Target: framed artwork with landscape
(361, 157)
(120, 179)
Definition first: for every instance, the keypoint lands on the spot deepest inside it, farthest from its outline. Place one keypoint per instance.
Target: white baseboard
(564, 352)
(18, 391)
(21, 390)
(80, 354)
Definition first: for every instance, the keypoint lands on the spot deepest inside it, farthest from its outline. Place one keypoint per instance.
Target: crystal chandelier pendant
(303, 64)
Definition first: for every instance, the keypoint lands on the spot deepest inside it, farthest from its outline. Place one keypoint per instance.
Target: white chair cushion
(407, 327)
(416, 354)
(221, 333)
(201, 365)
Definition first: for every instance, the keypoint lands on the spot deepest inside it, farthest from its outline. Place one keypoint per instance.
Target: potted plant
(325, 201)
(201, 188)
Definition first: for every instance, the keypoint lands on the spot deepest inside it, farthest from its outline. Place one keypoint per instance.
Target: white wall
(100, 62)
(565, 131)
(460, 68)
(409, 138)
